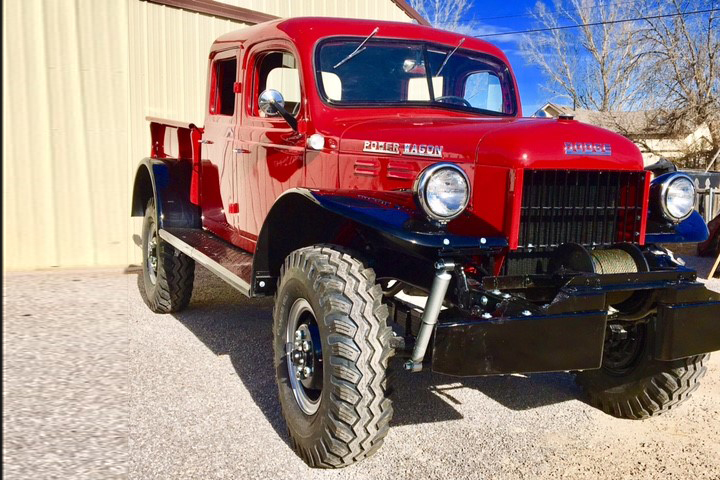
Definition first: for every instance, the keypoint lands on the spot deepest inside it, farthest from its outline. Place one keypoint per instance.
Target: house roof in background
(640, 123)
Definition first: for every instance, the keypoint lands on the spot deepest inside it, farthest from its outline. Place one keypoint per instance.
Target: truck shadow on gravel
(230, 324)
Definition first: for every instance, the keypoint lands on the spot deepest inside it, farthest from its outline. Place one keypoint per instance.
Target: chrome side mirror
(268, 101)
(272, 103)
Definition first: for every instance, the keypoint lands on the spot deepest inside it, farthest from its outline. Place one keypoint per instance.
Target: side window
(278, 71)
(483, 90)
(222, 93)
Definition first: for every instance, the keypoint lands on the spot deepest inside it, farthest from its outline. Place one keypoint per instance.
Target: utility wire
(573, 9)
(593, 24)
(529, 14)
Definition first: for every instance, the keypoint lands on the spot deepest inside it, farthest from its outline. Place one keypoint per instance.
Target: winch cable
(613, 261)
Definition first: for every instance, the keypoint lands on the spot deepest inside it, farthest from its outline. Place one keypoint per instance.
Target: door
(272, 152)
(219, 168)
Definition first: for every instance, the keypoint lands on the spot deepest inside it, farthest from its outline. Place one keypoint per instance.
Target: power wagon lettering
(392, 148)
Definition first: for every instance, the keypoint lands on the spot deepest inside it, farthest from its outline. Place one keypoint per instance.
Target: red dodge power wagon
(377, 178)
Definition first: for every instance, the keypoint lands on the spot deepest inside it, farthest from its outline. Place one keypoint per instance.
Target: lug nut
(298, 335)
(301, 361)
(306, 346)
(306, 372)
(483, 300)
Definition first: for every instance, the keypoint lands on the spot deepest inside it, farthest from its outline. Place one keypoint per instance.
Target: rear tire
(336, 411)
(638, 386)
(168, 274)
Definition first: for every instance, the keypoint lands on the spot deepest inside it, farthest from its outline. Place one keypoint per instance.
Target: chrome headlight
(677, 197)
(443, 191)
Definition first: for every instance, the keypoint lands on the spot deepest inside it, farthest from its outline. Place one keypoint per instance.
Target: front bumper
(569, 333)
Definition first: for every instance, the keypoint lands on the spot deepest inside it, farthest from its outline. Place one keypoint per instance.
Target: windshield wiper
(359, 49)
(450, 54)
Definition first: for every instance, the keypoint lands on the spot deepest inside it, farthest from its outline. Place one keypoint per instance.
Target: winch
(621, 258)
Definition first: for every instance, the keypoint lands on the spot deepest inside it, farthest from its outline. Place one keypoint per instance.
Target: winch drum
(621, 258)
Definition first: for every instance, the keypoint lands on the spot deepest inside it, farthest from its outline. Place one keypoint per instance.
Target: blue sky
(515, 12)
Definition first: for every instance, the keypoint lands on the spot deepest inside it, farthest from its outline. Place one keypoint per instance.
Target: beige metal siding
(79, 78)
(65, 133)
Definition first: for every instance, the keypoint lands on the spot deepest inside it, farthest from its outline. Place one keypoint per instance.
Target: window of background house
(222, 99)
(279, 71)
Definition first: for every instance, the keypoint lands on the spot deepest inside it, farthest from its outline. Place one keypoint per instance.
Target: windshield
(395, 72)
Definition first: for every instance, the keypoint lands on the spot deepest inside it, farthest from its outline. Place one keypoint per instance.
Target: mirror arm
(292, 121)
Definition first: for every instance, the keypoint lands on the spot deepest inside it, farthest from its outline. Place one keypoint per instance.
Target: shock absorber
(430, 315)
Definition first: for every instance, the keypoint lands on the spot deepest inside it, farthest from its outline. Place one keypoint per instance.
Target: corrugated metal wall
(79, 78)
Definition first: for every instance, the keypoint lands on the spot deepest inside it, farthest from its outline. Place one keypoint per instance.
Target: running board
(228, 262)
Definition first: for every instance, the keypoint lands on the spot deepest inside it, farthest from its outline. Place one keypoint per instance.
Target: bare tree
(681, 55)
(595, 67)
(453, 15)
(667, 67)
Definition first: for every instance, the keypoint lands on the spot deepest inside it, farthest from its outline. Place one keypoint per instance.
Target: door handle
(206, 142)
(241, 150)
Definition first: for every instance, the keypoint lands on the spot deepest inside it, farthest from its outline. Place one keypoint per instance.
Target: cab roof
(305, 32)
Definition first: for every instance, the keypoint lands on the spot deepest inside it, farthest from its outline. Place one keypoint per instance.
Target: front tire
(632, 384)
(168, 274)
(331, 346)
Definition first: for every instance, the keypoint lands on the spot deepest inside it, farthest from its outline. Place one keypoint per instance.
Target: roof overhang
(253, 17)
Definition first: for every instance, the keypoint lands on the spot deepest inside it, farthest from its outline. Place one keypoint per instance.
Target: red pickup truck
(379, 180)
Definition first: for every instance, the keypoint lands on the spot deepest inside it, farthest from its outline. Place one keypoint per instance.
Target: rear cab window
(222, 91)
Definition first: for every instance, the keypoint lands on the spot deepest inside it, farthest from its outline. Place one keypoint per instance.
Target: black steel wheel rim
(152, 257)
(622, 352)
(304, 356)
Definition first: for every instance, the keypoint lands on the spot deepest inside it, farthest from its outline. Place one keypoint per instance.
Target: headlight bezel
(420, 190)
(665, 187)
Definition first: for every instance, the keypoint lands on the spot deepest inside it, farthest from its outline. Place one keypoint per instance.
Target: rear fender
(385, 229)
(168, 182)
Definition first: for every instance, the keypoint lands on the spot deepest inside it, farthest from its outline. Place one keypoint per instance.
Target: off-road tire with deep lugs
(649, 387)
(173, 285)
(354, 414)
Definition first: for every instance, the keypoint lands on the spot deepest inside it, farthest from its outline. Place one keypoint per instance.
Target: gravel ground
(96, 386)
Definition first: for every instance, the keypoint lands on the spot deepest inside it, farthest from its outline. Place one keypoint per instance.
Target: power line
(594, 24)
(529, 14)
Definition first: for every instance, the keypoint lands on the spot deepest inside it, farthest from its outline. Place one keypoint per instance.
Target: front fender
(691, 230)
(659, 230)
(385, 227)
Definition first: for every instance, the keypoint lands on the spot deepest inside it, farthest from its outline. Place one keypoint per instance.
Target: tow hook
(618, 332)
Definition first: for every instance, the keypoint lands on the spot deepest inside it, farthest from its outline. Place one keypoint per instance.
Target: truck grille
(580, 206)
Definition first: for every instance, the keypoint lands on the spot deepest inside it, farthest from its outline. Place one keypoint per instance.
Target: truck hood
(512, 143)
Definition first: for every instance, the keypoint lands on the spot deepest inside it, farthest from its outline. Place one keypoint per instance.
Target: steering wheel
(454, 99)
